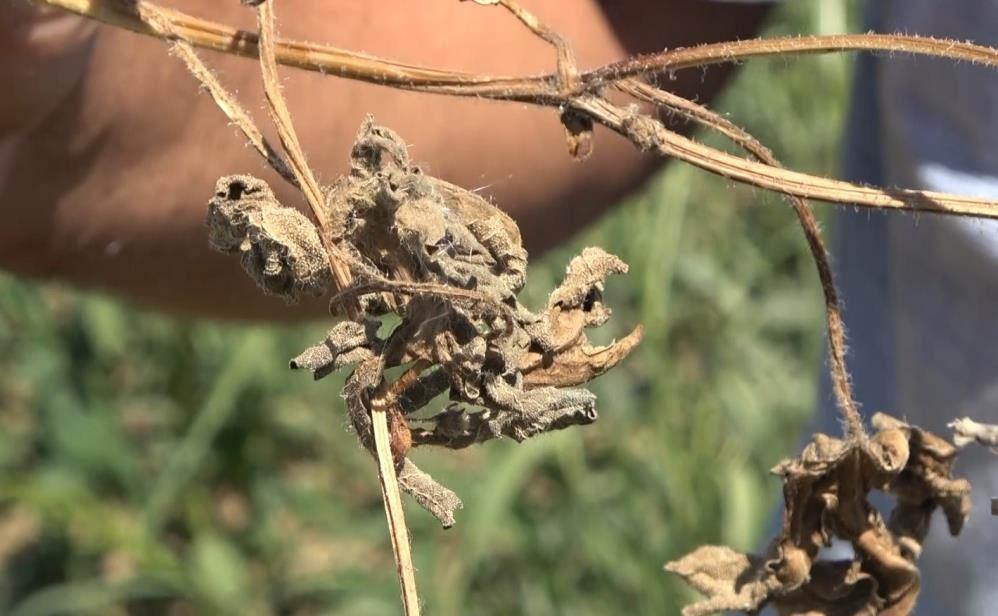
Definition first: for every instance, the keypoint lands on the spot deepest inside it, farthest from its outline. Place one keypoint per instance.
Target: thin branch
(568, 72)
(289, 140)
(544, 90)
(735, 51)
(397, 528)
(155, 17)
(651, 135)
(308, 56)
(395, 514)
(364, 67)
(809, 225)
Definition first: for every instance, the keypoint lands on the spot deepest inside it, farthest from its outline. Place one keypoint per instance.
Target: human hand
(104, 180)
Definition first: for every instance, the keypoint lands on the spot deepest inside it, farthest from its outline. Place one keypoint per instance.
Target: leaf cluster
(826, 496)
(448, 265)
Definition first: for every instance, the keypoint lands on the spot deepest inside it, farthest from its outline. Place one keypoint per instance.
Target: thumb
(43, 55)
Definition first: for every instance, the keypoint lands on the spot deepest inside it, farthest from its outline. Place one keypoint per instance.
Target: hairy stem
(833, 310)
(545, 90)
(388, 480)
(397, 528)
(734, 51)
(649, 134)
(289, 140)
(568, 74)
(364, 67)
(224, 100)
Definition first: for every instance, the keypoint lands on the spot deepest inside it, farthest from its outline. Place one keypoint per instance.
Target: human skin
(109, 153)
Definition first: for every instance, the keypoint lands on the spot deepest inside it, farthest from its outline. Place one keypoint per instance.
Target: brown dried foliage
(826, 492)
(449, 265)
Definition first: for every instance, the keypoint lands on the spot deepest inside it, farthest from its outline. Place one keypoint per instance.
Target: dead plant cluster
(427, 274)
(826, 495)
(448, 265)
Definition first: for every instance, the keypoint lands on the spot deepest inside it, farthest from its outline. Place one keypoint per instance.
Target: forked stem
(397, 529)
(703, 116)
(297, 171)
(547, 90)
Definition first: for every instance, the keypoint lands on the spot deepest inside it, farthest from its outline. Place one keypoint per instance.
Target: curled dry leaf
(966, 431)
(449, 265)
(826, 492)
(278, 247)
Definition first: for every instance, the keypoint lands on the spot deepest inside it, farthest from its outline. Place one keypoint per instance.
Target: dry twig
(390, 239)
(584, 99)
(808, 223)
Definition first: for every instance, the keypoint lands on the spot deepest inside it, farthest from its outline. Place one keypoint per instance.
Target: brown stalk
(289, 140)
(568, 74)
(157, 19)
(381, 406)
(390, 495)
(298, 173)
(649, 134)
(388, 479)
(364, 67)
(809, 225)
(544, 90)
(734, 51)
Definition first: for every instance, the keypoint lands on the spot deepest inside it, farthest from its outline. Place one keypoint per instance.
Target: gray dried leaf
(826, 492)
(429, 494)
(449, 264)
(278, 246)
(966, 431)
(728, 579)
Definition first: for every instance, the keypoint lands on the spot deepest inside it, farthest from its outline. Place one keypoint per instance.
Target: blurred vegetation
(153, 466)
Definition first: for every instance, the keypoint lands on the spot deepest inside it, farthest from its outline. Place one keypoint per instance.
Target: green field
(157, 466)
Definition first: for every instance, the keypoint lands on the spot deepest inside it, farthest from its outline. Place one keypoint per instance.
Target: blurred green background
(157, 466)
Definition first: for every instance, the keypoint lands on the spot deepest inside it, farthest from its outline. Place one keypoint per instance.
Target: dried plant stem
(399, 532)
(733, 51)
(157, 19)
(568, 73)
(388, 479)
(547, 90)
(649, 134)
(397, 528)
(289, 139)
(809, 225)
(353, 65)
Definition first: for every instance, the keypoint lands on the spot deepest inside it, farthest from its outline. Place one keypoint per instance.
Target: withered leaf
(278, 246)
(729, 580)
(449, 264)
(826, 492)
